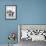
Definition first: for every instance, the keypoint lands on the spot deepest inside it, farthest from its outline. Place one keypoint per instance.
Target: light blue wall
(28, 12)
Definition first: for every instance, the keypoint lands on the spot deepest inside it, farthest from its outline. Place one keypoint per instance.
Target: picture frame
(39, 28)
(10, 12)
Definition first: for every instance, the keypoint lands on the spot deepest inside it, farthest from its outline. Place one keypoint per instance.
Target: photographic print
(10, 12)
(32, 32)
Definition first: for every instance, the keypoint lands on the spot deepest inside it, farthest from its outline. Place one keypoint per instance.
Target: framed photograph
(10, 12)
(33, 32)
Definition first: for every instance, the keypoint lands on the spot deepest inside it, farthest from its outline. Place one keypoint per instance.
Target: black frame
(5, 12)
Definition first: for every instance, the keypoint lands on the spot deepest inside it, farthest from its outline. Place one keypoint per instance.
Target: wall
(28, 12)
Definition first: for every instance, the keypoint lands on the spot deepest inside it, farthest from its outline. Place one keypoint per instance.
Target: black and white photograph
(10, 12)
(31, 34)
